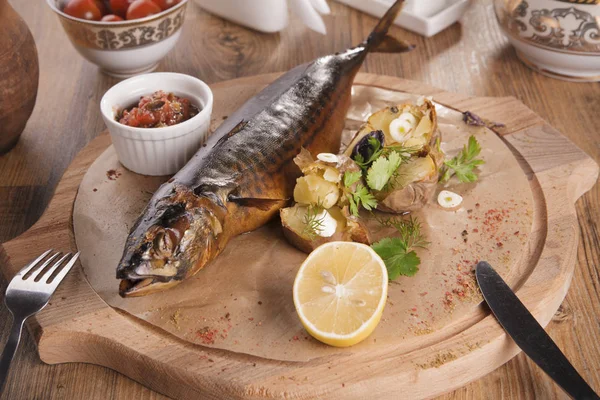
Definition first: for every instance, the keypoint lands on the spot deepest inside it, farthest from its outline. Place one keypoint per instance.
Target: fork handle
(10, 349)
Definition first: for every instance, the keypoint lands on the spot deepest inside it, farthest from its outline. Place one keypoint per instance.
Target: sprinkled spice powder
(207, 335)
(175, 318)
(439, 360)
(448, 301)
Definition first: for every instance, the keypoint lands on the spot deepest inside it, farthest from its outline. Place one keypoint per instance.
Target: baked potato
(418, 137)
(321, 214)
(300, 227)
(412, 187)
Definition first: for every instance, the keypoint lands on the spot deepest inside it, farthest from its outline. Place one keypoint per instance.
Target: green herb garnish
(464, 163)
(350, 178)
(398, 253)
(382, 170)
(373, 152)
(312, 223)
(404, 152)
(361, 197)
(398, 260)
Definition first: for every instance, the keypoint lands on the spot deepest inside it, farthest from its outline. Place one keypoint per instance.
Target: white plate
(421, 23)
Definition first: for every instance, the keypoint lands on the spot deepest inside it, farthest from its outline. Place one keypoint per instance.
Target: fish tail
(379, 41)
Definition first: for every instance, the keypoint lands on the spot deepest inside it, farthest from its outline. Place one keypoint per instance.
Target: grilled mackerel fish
(245, 173)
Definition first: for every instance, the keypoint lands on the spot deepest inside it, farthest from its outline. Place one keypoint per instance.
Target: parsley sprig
(398, 253)
(360, 196)
(464, 163)
(381, 164)
(382, 170)
(350, 178)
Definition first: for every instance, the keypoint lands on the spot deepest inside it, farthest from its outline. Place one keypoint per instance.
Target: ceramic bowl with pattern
(124, 48)
(559, 38)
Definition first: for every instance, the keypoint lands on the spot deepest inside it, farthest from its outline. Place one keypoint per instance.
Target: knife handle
(556, 365)
(529, 335)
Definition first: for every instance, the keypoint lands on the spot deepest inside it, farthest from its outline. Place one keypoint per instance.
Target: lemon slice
(340, 291)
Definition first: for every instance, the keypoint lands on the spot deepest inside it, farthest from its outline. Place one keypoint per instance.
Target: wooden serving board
(78, 326)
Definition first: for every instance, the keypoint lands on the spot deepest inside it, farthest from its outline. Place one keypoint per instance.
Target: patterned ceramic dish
(559, 38)
(124, 48)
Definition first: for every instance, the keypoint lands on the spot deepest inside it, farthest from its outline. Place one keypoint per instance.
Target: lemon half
(340, 292)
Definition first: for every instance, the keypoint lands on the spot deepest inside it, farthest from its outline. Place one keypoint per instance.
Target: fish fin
(392, 45)
(232, 132)
(379, 41)
(260, 203)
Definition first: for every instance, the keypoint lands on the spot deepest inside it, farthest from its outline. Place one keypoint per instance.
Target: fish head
(168, 243)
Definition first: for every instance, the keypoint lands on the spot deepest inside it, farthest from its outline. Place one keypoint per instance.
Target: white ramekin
(157, 151)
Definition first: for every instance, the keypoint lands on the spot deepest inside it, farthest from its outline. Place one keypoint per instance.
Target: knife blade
(528, 334)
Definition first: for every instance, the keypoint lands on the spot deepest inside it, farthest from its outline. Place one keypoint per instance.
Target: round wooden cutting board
(78, 326)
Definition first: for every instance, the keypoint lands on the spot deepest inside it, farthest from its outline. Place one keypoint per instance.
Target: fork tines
(46, 272)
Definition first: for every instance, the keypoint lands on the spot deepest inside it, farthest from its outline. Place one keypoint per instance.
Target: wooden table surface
(472, 57)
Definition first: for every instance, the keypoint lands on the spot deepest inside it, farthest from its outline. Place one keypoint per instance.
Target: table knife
(528, 334)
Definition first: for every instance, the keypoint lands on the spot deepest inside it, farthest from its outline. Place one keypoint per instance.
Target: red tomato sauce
(158, 110)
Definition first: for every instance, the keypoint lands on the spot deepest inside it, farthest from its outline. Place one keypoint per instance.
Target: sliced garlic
(401, 127)
(448, 199)
(327, 157)
(327, 224)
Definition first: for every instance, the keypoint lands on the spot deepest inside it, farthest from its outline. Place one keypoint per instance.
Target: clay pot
(19, 75)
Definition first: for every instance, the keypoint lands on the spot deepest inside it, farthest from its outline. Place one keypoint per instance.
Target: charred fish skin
(245, 173)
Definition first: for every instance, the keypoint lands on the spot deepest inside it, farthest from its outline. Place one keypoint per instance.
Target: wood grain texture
(472, 58)
(79, 327)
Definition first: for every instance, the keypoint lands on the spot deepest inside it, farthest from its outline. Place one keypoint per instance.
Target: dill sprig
(312, 223)
(409, 230)
(405, 152)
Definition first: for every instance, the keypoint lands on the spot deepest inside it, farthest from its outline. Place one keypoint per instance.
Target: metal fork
(27, 295)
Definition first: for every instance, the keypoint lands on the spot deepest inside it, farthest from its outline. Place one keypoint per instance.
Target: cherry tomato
(119, 7)
(102, 6)
(84, 9)
(111, 18)
(141, 9)
(166, 4)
